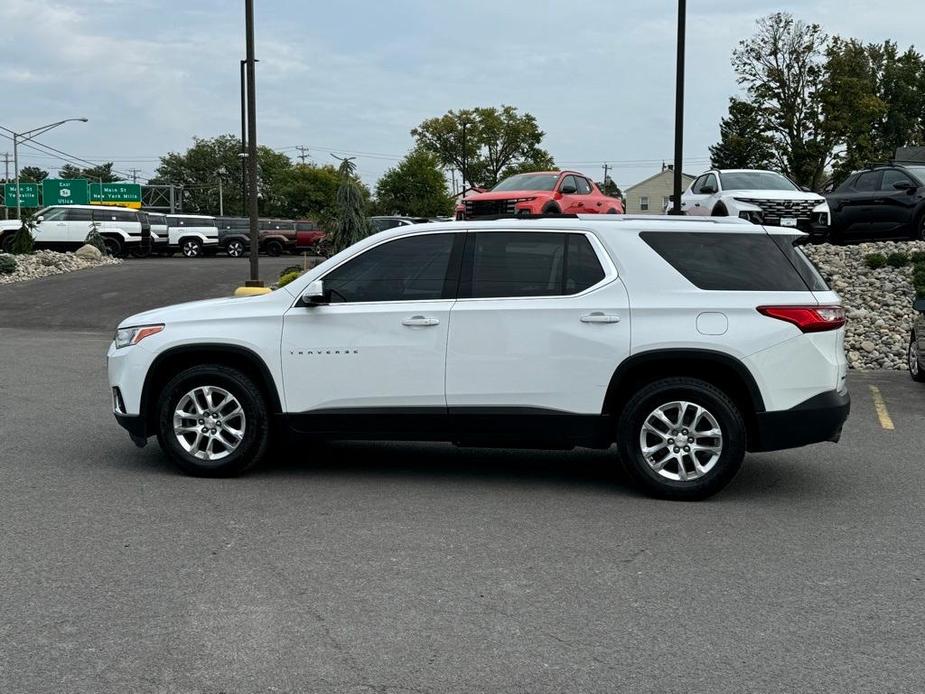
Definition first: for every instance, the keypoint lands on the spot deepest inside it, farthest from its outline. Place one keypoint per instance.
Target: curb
(251, 291)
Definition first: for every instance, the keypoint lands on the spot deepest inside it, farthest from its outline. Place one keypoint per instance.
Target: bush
(286, 279)
(7, 265)
(897, 259)
(918, 257)
(874, 260)
(22, 241)
(95, 239)
(289, 270)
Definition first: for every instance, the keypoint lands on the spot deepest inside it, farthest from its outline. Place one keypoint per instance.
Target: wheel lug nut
(205, 430)
(213, 431)
(670, 442)
(202, 421)
(687, 449)
(677, 450)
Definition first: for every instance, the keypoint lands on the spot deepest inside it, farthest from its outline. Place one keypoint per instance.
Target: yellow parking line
(880, 407)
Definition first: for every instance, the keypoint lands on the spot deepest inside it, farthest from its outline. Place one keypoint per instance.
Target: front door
(699, 200)
(378, 348)
(895, 207)
(540, 325)
(52, 231)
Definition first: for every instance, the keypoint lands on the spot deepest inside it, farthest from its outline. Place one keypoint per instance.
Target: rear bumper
(812, 421)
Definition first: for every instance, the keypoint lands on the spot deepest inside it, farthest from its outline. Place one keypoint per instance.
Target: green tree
(310, 191)
(198, 168)
(32, 174)
(350, 221)
(415, 187)
(482, 142)
(743, 144)
(101, 172)
(541, 161)
(781, 68)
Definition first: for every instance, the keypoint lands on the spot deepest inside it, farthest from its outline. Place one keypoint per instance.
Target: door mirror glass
(314, 294)
(919, 305)
(707, 190)
(568, 189)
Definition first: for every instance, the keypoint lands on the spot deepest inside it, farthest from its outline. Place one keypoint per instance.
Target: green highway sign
(123, 194)
(65, 191)
(28, 195)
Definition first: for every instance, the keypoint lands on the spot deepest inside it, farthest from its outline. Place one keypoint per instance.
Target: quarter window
(525, 264)
(415, 268)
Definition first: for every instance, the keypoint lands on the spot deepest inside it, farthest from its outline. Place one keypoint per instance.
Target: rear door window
(728, 261)
(868, 182)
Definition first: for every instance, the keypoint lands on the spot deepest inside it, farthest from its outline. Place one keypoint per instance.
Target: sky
(353, 77)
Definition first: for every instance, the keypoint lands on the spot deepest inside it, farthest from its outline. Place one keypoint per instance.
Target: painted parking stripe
(880, 407)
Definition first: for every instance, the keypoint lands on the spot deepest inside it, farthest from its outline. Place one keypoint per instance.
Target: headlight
(132, 336)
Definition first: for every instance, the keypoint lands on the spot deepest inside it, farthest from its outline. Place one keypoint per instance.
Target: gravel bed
(878, 302)
(45, 263)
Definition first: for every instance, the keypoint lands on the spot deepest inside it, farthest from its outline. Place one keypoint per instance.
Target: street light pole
(679, 107)
(254, 280)
(243, 140)
(25, 136)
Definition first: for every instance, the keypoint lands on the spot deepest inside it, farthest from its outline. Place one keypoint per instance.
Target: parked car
(543, 192)
(309, 235)
(385, 222)
(761, 197)
(65, 228)
(916, 354)
(194, 235)
(510, 333)
(277, 236)
(234, 235)
(881, 202)
(159, 240)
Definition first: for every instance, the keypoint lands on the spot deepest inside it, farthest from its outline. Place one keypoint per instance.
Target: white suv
(65, 228)
(760, 197)
(194, 235)
(685, 342)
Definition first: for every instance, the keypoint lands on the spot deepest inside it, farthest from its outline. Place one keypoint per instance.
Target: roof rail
(615, 218)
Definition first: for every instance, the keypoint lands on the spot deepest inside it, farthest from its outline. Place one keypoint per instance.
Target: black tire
(552, 208)
(611, 211)
(920, 233)
(7, 243)
(113, 246)
(661, 394)
(720, 210)
(914, 361)
(235, 248)
(273, 248)
(141, 252)
(256, 423)
(191, 248)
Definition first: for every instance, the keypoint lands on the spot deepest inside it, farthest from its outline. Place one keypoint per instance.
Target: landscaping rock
(88, 252)
(45, 263)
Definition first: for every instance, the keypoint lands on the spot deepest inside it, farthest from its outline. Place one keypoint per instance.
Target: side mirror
(40, 218)
(806, 189)
(904, 185)
(568, 189)
(707, 190)
(919, 305)
(314, 294)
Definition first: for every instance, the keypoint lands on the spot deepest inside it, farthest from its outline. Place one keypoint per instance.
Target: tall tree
(482, 142)
(33, 174)
(415, 187)
(310, 191)
(781, 67)
(101, 172)
(350, 221)
(743, 143)
(198, 169)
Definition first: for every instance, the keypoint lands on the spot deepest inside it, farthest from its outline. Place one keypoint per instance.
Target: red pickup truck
(308, 235)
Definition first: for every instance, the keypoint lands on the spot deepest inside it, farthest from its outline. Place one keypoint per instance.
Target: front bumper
(820, 418)
(135, 426)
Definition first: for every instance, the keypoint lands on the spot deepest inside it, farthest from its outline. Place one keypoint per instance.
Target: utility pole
(6, 179)
(464, 156)
(302, 153)
(243, 154)
(135, 173)
(679, 107)
(607, 167)
(254, 280)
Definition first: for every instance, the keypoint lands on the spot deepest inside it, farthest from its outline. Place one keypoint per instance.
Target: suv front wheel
(212, 421)
(681, 438)
(191, 248)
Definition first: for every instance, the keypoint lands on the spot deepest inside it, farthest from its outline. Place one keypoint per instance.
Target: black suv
(884, 201)
(234, 235)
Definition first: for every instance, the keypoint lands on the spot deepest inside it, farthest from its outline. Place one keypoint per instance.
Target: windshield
(918, 172)
(755, 180)
(533, 181)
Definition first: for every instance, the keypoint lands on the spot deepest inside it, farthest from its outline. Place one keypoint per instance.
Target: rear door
(540, 324)
(79, 222)
(895, 209)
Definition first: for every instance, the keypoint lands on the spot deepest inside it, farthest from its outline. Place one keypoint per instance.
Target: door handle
(598, 317)
(420, 321)
(581, 204)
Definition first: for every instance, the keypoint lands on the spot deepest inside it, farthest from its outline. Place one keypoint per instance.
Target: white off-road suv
(65, 228)
(194, 235)
(686, 342)
(760, 197)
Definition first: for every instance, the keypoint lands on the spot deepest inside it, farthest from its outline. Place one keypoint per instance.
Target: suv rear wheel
(113, 246)
(212, 421)
(273, 247)
(191, 248)
(915, 360)
(681, 438)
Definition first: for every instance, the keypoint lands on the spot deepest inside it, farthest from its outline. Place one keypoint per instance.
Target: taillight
(809, 319)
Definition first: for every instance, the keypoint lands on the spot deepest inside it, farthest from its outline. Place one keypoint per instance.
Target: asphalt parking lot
(424, 568)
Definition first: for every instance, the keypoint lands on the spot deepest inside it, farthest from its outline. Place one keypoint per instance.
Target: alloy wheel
(913, 357)
(209, 423)
(235, 249)
(191, 249)
(681, 441)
